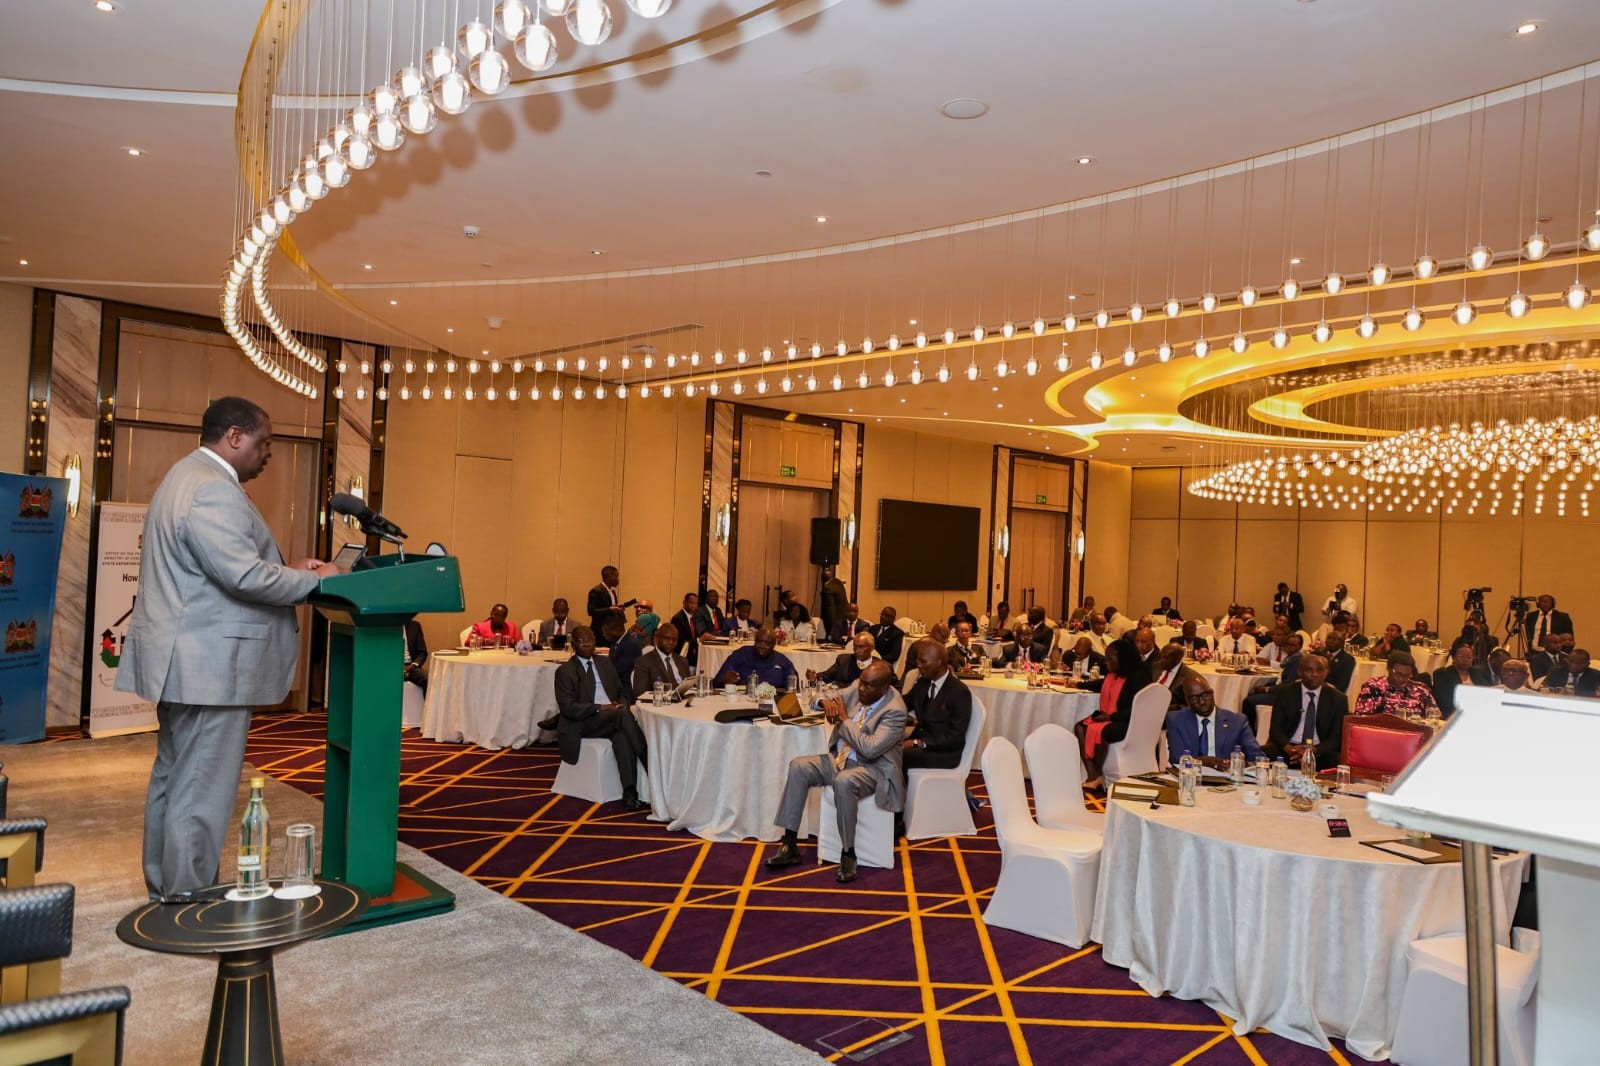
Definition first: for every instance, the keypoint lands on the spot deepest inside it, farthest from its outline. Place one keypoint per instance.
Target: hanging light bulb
(451, 91)
(842, 348)
(1249, 295)
(1102, 317)
(916, 373)
(922, 339)
(1464, 313)
(1136, 313)
(418, 115)
(474, 38)
(1537, 246)
(1202, 348)
(589, 21)
(427, 392)
(738, 388)
(888, 378)
(1008, 330)
(893, 343)
(1173, 307)
(555, 8)
(866, 346)
(1412, 320)
(1480, 256)
(1366, 327)
(1425, 267)
(1038, 327)
(1031, 367)
(1130, 355)
(944, 374)
(1164, 352)
(535, 48)
(649, 9)
(1576, 296)
(1290, 289)
(862, 381)
(1380, 273)
(786, 383)
(1096, 360)
(1239, 343)
(1322, 333)
(1002, 368)
(511, 16)
(1518, 304)
(972, 372)
(1333, 284)
(837, 382)
(1591, 236)
(490, 72)
(387, 131)
(1063, 361)
(1280, 338)
(1208, 302)
(978, 333)
(949, 336)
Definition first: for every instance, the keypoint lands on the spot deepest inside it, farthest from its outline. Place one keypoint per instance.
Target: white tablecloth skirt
(490, 698)
(722, 781)
(1014, 711)
(803, 656)
(1259, 914)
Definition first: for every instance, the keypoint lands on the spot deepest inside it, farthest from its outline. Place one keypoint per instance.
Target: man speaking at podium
(213, 636)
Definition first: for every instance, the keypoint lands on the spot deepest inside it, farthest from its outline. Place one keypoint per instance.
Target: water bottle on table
(255, 830)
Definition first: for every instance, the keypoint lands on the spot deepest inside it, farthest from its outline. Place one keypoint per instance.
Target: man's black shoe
(631, 800)
(847, 869)
(786, 855)
(550, 723)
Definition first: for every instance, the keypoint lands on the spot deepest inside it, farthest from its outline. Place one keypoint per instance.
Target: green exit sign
(786, 471)
(1039, 497)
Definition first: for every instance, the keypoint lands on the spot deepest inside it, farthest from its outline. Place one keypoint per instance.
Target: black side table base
(244, 1012)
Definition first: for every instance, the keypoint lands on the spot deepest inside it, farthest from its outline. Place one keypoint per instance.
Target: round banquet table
(1014, 711)
(722, 781)
(1231, 687)
(803, 656)
(1261, 915)
(494, 699)
(1428, 661)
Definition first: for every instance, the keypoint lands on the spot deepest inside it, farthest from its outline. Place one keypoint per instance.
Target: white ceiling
(659, 171)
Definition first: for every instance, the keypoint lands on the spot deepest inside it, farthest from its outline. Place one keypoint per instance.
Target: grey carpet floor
(491, 982)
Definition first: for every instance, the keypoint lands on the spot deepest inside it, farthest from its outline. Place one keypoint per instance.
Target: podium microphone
(371, 521)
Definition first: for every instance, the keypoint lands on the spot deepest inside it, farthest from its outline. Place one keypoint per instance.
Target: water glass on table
(1341, 779)
(658, 695)
(299, 862)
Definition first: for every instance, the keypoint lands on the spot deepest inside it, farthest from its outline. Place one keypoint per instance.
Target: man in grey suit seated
(213, 636)
(863, 759)
(555, 631)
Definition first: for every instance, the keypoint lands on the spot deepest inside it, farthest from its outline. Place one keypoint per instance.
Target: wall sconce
(1078, 547)
(357, 488)
(722, 525)
(850, 532)
(72, 470)
(1002, 541)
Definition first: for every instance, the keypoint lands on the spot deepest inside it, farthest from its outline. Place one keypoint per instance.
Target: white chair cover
(936, 800)
(1432, 1030)
(874, 832)
(465, 633)
(1047, 876)
(1136, 752)
(411, 700)
(594, 776)
(1056, 769)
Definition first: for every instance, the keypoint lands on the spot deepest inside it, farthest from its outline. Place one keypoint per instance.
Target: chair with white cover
(594, 776)
(874, 832)
(909, 682)
(1432, 1030)
(465, 633)
(411, 701)
(1136, 753)
(936, 800)
(1056, 770)
(1047, 876)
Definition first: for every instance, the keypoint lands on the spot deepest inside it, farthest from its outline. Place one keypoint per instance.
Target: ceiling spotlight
(1527, 29)
(1480, 256)
(106, 7)
(1380, 273)
(22, 262)
(597, 251)
(1295, 261)
(1333, 284)
(1084, 160)
(135, 152)
(1464, 313)
(1536, 247)
(1576, 296)
(1249, 295)
(963, 107)
(822, 218)
(1290, 289)
(1412, 320)
(1366, 327)
(1518, 304)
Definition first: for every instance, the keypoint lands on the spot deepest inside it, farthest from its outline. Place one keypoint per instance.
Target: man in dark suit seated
(1547, 658)
(554, 631)
(849, 665)
(1083, 652)
(1310, 712)
(1166, 611)
(964, 655)
(959, 614)
(888, 637)
(1575, 675)
(847, 627)
(627, 644)
(661, 663)
(1200, 729)
(416, 655)
(1022, 649)
(1174, 674)
(708, 619)
(939, 709)
(1191, 640)
(593, 702)
(739, 621)
(1341, 664)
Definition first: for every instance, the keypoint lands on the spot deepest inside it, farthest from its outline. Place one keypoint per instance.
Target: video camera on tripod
(1472, 599)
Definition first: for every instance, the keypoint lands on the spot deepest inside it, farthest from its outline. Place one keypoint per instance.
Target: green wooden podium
(367, 610)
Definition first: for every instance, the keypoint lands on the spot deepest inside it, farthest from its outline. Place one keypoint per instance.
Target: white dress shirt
(1119, 625)
(220, 461)
(671, 664)
(1273, 653)
(1305, 698)
(798, 632)
(1243, 644)
(1542, 623)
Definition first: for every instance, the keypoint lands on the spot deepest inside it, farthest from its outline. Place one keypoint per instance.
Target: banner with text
(116, 584)
(33, 516)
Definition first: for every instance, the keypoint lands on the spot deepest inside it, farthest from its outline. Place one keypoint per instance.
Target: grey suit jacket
(547, 629)
(213, 624)
(648, 669)
(876, 743)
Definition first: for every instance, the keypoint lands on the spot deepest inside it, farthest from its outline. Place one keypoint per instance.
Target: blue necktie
(1205, 733)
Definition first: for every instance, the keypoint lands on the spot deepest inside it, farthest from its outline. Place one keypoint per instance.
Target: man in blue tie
(1206, 732)
(593, 702)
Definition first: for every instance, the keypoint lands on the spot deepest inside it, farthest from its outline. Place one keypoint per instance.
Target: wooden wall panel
(1154, 493)
(1152, 564)
(1106, 562)
(1206, 554)
(1265, 552)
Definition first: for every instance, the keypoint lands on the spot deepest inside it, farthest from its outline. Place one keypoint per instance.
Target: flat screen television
(927, 545)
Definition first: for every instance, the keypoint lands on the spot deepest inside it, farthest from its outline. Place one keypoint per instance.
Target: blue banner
(33, 515)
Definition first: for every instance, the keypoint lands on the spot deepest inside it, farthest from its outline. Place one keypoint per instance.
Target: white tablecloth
(803, 656)
(721, 781)
(1428, 662)
(1014, 711)
(490, 698)
(1261, 915)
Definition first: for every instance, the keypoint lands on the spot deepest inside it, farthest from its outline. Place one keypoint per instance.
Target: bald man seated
(1209, 733)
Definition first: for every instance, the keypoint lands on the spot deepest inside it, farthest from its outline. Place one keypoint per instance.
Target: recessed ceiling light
(1531, 26)
(366, 266)
(449, 329)
(963, 107)
(822, 218)
(763, 173)
(597, 251)
(22, 262)
(135, 152)
(914, 321)
(394, 303)
(1071, 299)
(999, 406)
(106, 7)
(1295, 261)
(1084, 160)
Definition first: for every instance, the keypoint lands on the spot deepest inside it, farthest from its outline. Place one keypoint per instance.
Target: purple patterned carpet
(795, 952)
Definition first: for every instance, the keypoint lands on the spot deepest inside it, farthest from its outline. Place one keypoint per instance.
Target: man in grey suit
(863, 759)
(557, 625)
(213, 635)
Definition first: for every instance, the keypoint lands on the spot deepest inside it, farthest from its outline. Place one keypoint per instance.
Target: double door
(1038, 561)
(774, 545)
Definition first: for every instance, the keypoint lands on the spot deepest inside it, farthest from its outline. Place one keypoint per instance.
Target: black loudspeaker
(825, 537)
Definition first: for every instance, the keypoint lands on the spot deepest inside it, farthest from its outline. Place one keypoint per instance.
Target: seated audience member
(1457, 672)
(1276, 649)
(1191, 640)
(1392, 641)
(1259, 697)
(1475, 631)
(557, 629)
(959, 613)
(1199, 728)
(1170, 614)
(785, 598)
(760, 660)
(593, 702)
(1397, 692)
(416, 655)
(868, 722)
(1084, 652)
(1043, 631)
(709, 618)
(888, 637)
(998, 625)
(496, 625)
(1497, 660)
(1341, 664)
(1421, 631)
(1117, 623)
(798, 628)
(939, 709)
(1109, 724)
(739, 620)
(1353, 637)
(1568, 642)
(626, 645)
(964, 654)
(847, 627)
(1174, 674)
(684, 621)
(849, 665)
(1236, 641)
(1098, 633)
(1079, 618)
(661, 663)
(1021, 648)
(645, 617)
(1575, 676)
(1545, 659)
(1308, 712)
(940, 632)
(1514, 675)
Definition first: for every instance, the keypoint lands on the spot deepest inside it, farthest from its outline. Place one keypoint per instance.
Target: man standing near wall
(213, 636)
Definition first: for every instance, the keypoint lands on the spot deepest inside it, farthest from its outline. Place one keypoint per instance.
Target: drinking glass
(1386, 783)
(1341, 778)
(793, 684)
(1263, 773)
(659, 694)
(299, 862)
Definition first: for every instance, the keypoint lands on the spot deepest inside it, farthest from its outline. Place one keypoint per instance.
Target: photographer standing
(1341, 600)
